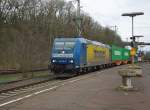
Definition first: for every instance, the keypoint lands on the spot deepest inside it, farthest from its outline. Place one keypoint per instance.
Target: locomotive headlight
(71, 61)
(53, 61)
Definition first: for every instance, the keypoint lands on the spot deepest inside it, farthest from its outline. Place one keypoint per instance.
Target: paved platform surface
(97, 92)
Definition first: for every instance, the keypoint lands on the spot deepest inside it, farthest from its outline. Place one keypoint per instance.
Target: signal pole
(78, 19)
(114, 28)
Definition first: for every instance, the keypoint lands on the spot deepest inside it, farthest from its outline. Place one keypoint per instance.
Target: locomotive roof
(83, 40)
(98, 43)
(65, 39)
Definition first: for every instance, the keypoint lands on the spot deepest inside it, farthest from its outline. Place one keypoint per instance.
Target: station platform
(96, 91)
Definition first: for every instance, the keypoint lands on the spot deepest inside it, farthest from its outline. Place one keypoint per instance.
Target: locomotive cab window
(69, 45)
(64, 45)
(59, 45)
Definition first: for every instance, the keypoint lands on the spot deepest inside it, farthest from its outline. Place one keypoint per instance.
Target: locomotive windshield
(64, 45)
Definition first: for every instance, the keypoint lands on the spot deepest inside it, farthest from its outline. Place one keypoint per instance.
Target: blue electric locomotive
(70, 56)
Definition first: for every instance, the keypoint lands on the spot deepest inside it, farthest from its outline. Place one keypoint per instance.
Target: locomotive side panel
(97, 55)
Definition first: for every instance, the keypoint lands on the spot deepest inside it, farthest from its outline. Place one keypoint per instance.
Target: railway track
(7, 93)
(24, 93)
(32, 87)
(35, 87)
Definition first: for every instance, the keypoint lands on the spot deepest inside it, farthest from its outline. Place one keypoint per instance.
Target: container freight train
(72, 56)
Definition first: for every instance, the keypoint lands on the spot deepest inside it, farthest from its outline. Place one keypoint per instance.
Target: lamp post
(133, 43)
(132, 15)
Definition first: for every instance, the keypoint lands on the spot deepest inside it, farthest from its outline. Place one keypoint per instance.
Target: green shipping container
(125, 54)
(116, 53)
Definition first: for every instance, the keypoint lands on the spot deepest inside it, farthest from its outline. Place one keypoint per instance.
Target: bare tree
(28, 28)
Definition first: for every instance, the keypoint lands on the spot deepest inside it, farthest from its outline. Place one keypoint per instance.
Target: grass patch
(39, 74)
(19, 76)
(10, 78)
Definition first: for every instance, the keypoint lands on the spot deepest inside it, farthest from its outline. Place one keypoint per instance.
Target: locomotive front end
(62, 57)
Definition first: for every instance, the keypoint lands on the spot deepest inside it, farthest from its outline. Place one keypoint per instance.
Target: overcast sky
(108, 13)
